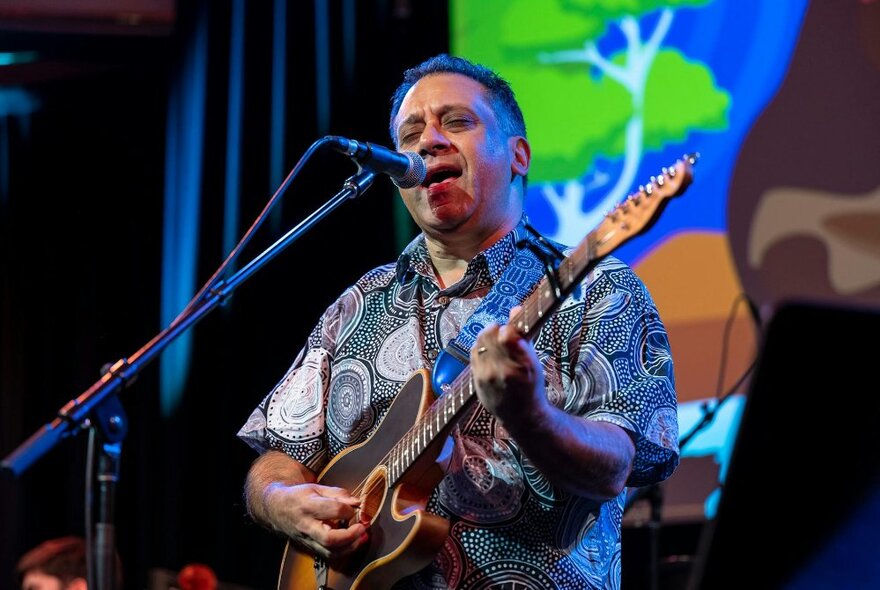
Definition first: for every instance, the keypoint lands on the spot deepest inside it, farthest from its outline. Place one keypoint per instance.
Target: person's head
(57, 564)
(497, 90)
(464, 120)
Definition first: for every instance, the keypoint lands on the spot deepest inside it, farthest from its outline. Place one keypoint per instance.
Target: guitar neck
(632, 217)
(461, 395)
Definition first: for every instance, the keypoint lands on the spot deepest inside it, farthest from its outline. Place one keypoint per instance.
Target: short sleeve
(291, 417)
(624, 371)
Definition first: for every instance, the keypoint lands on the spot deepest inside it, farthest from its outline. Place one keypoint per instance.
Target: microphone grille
(415, 174)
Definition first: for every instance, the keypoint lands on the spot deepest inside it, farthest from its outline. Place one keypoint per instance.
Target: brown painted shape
(820, 135)
(694, 283)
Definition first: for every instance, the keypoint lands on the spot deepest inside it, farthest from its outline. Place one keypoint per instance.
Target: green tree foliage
(579, 104)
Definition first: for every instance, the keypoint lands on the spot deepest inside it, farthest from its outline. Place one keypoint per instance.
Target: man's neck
(451, 254)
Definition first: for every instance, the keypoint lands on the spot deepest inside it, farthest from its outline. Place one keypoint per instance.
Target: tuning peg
(660, 180)
(692, 157)
(649, 190)
(665, 171)
(672, 172)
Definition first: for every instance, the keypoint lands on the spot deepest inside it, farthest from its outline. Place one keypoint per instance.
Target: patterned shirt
(605, 357)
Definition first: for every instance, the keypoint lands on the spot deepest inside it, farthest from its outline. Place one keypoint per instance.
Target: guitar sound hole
(373, 496)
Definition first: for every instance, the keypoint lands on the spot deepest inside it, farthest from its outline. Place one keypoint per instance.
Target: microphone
(406, 169)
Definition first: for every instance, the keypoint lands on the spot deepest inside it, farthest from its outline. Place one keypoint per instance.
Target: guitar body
(404, 538)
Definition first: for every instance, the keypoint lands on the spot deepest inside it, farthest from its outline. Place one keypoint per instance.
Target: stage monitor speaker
(800, 508)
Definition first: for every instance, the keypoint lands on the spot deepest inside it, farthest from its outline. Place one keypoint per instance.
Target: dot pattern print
(606, 358)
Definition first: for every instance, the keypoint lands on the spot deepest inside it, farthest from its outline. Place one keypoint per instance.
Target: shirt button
(432, 354)
(443, 300)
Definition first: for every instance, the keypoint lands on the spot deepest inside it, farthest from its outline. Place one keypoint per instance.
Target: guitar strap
(535, 255)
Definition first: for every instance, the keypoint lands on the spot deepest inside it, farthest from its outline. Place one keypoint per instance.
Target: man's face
(449, 120)
(36, 580)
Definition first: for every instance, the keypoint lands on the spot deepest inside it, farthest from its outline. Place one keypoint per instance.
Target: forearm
(583, 457)
(580, 456)
(270, 470)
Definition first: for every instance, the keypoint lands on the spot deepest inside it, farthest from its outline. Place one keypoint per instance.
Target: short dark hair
(63, 558)
(498, 90)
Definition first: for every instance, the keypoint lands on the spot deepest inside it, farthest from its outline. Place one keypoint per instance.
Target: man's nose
(432, 140)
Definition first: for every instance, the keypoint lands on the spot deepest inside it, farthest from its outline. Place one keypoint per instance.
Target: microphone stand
(108, 426)
(99, 406)
(654, 492)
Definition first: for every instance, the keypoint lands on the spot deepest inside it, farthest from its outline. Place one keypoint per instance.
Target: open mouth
(440, 175)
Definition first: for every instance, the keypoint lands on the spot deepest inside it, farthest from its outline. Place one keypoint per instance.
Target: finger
(511, 340)
(337, 539)
(340, 494)
(485, 341)
(322, 508)
(514, 311)
(341, 552)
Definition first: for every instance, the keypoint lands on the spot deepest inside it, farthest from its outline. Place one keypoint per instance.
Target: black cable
(725, 340)
(213, 281)
(709, 413)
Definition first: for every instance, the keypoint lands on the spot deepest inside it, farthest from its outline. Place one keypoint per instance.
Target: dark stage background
(82, 222)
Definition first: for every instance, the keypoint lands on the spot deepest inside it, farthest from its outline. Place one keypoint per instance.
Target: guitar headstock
(640, 210)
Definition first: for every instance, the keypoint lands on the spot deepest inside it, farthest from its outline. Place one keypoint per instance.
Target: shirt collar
(415, 259)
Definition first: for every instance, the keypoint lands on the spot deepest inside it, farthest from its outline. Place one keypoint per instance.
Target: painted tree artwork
(598, 89)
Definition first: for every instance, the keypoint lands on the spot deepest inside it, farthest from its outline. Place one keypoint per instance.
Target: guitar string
(528, 313)
(583, 254)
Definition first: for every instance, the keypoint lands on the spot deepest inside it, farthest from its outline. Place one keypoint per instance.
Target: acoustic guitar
(395, 471)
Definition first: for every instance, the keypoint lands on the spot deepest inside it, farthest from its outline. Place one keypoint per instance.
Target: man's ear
(522, 156)
(77, 584)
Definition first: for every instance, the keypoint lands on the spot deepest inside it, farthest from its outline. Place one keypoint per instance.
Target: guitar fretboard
(461, 393)
(630, 218)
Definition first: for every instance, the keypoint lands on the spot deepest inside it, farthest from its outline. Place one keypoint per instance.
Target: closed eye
(407, 139)
(458, 123)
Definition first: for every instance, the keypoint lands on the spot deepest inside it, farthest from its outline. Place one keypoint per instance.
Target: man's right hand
(316, 517)
(282, 494)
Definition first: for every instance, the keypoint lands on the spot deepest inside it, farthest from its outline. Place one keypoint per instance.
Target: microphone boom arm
(73, 416)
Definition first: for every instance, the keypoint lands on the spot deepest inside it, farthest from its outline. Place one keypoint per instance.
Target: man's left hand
(508, 375)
